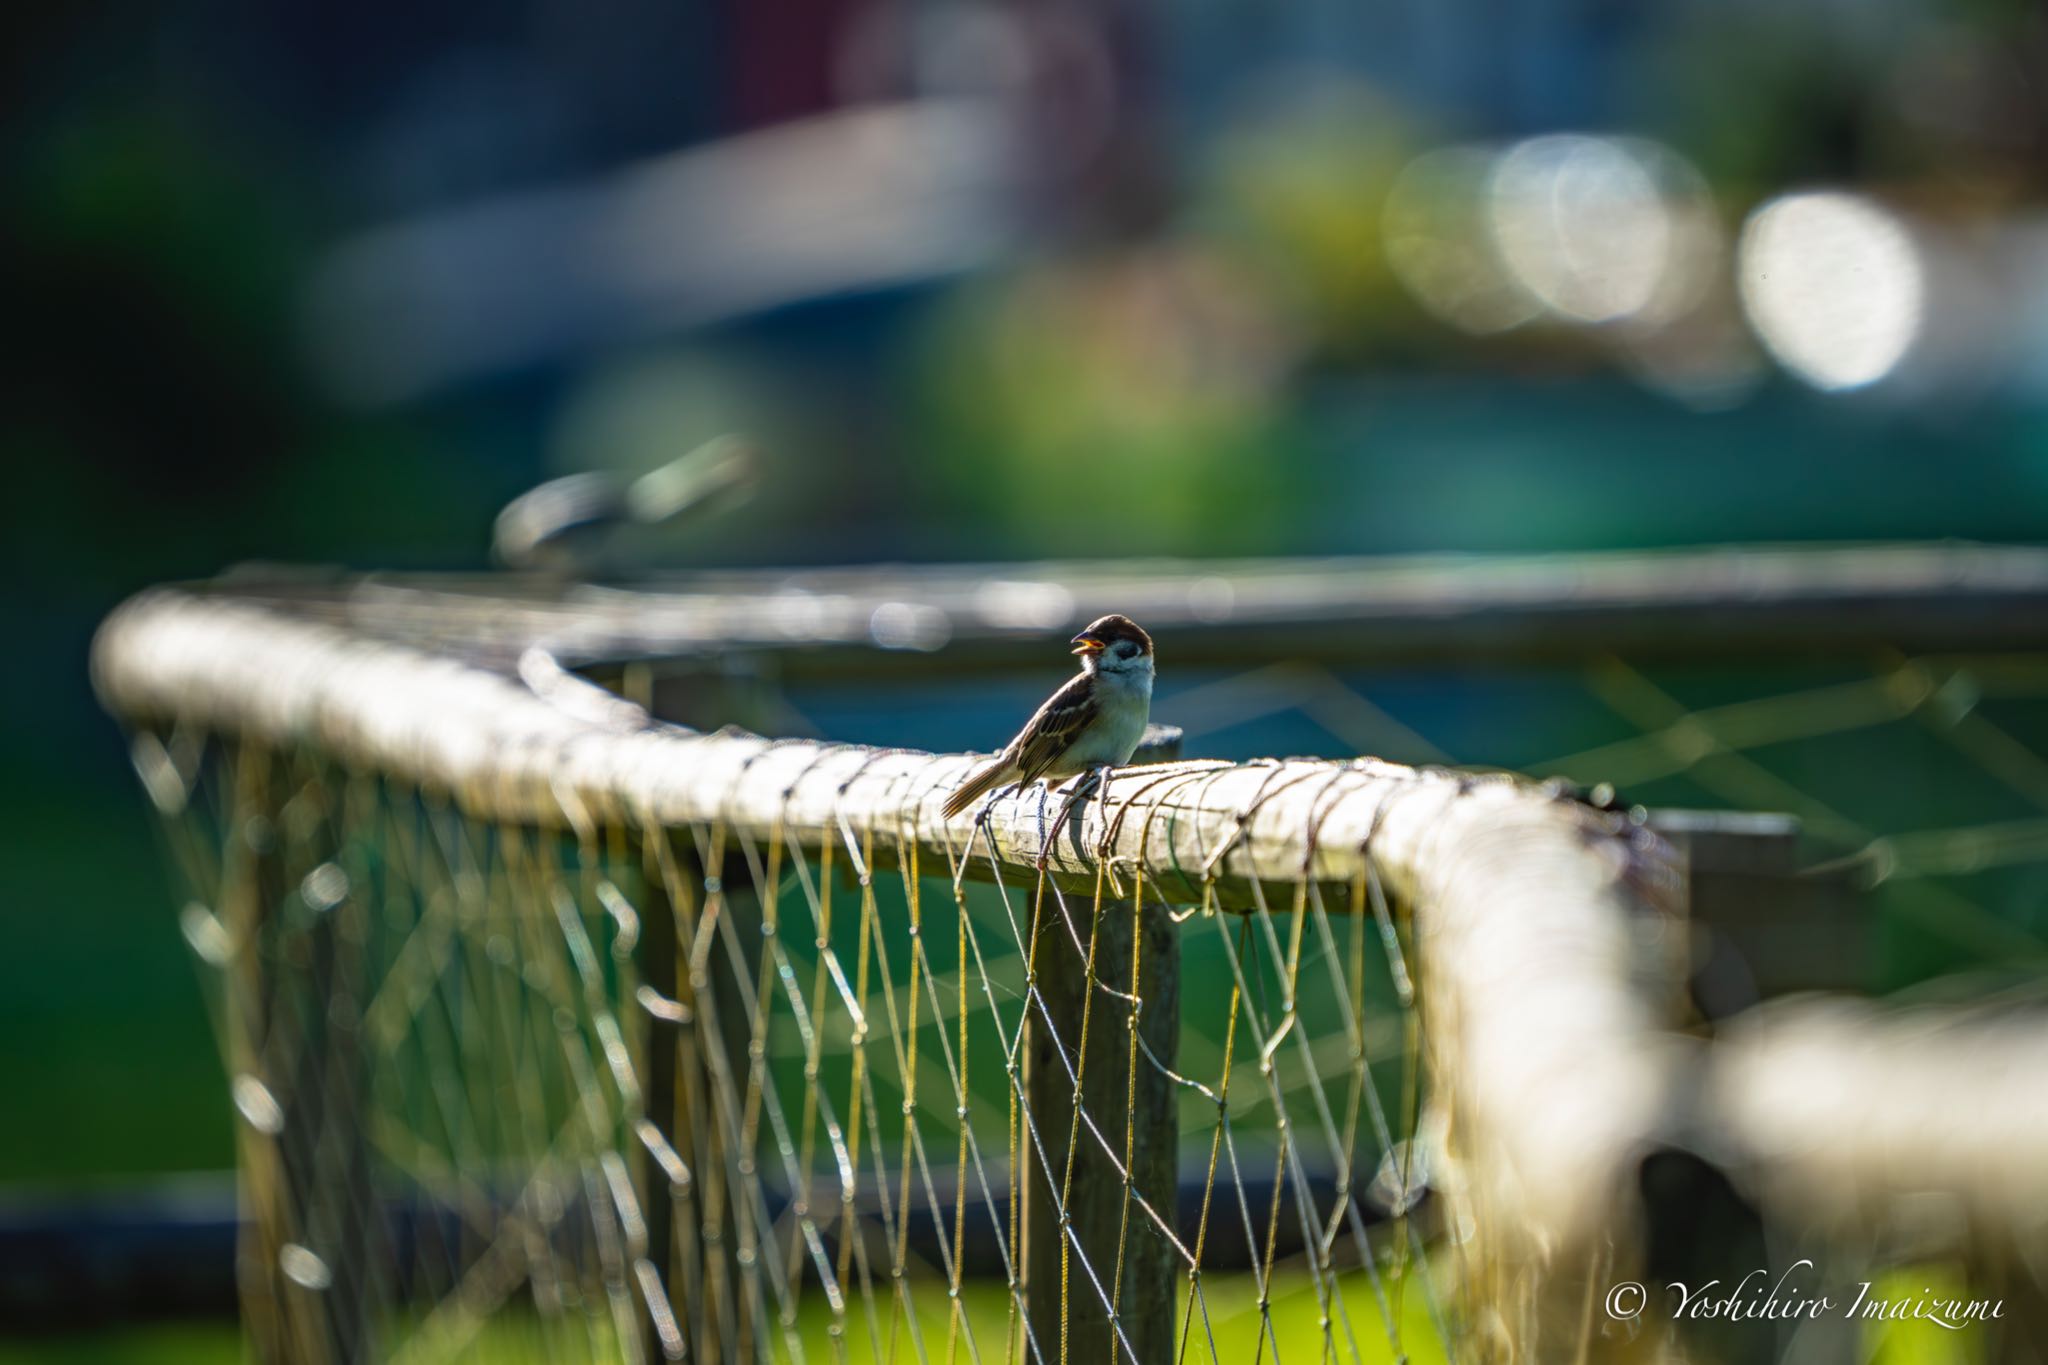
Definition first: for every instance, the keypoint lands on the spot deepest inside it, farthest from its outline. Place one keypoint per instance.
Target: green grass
(1921, 1342)
(1233, 1319)
(1233, 1322)
(185, 1343)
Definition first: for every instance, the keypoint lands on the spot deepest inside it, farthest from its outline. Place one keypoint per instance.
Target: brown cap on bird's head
(1105, 631)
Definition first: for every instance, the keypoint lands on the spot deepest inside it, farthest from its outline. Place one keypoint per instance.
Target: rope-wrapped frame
(1541, 928)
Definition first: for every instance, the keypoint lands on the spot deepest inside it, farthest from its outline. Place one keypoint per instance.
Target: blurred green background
(330, 285)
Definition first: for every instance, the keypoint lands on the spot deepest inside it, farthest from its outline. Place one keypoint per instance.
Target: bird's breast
(1116, 732)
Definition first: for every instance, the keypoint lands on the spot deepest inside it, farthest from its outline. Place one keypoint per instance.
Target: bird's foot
(1079, 789)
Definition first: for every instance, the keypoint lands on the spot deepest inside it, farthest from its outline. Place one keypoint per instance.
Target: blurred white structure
(864, 199)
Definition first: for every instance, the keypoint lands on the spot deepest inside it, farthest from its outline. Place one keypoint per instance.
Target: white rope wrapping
(1543, 1010)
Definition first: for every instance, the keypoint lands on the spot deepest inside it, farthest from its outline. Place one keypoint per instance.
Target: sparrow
(1094, 721)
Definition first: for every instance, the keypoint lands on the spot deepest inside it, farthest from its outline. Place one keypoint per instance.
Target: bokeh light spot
(1582, 224)
(1439, 246)
(1833, 285)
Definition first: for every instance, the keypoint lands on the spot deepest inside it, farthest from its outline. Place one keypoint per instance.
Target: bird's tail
(985, 779)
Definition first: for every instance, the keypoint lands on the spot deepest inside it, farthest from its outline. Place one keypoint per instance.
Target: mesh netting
(509, 1088)
(560, 1034)
(1919, 778)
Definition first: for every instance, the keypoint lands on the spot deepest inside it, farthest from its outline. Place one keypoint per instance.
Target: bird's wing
(1055, 728)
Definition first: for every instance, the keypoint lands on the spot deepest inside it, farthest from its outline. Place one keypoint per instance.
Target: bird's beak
(1086, 644)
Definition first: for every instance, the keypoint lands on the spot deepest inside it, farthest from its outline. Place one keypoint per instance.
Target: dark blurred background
(330, 284)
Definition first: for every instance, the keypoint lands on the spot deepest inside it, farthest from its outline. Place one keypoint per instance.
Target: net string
(446, 881)
(1312, 1238)
(1712, 747)
(454, 879)
(488, 966)
(754, 1156)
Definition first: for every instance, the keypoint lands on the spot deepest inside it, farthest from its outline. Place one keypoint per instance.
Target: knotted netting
(558, 1032)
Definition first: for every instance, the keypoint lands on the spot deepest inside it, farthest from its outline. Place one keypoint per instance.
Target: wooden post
(1140, 1119)
(663, 1171)
(250, 882)
(681, 1150)
(1766, 922)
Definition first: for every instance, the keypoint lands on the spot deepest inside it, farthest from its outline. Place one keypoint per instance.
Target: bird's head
(1114, 643)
